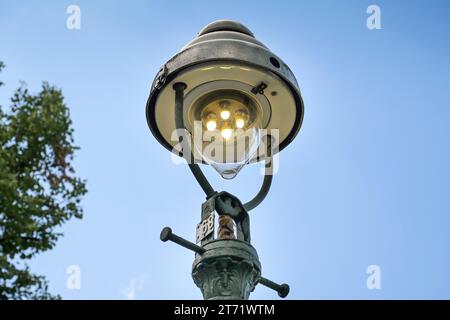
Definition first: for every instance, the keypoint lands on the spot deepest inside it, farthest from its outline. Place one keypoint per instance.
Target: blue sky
(367, 180)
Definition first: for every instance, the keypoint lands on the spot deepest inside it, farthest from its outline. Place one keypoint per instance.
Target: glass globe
(227, 129)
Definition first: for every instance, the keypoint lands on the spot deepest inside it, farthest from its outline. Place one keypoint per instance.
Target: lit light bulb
(240, 123)
(211, 125)
(210, 121)
(225, 114)
(227, 133)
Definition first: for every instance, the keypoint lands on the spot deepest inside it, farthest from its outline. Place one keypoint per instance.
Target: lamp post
(230, 101)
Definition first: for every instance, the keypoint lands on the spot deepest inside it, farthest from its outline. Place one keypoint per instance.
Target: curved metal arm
(267, 182)
(179, 88)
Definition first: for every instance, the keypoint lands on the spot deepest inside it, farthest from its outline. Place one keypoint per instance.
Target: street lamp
(225, 100)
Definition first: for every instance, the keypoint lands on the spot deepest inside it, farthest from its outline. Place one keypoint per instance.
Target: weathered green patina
(227, 270)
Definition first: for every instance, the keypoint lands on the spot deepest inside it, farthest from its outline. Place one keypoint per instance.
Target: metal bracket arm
(283, 289)
(167, 234)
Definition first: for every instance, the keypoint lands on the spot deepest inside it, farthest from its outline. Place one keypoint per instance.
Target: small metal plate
(205, 228)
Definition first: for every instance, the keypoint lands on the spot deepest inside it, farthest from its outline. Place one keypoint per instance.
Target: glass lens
(227, 128)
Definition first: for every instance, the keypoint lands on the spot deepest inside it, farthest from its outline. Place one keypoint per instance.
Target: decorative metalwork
(228, 270)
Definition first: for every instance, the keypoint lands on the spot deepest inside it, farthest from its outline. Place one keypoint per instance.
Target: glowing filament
(225, 114)
(240, 123)
(211, 125)
(227, 133)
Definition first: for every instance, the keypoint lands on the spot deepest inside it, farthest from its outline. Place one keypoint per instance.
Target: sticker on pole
(205, 228)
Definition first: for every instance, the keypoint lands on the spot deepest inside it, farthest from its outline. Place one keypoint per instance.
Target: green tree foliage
(39, 190)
